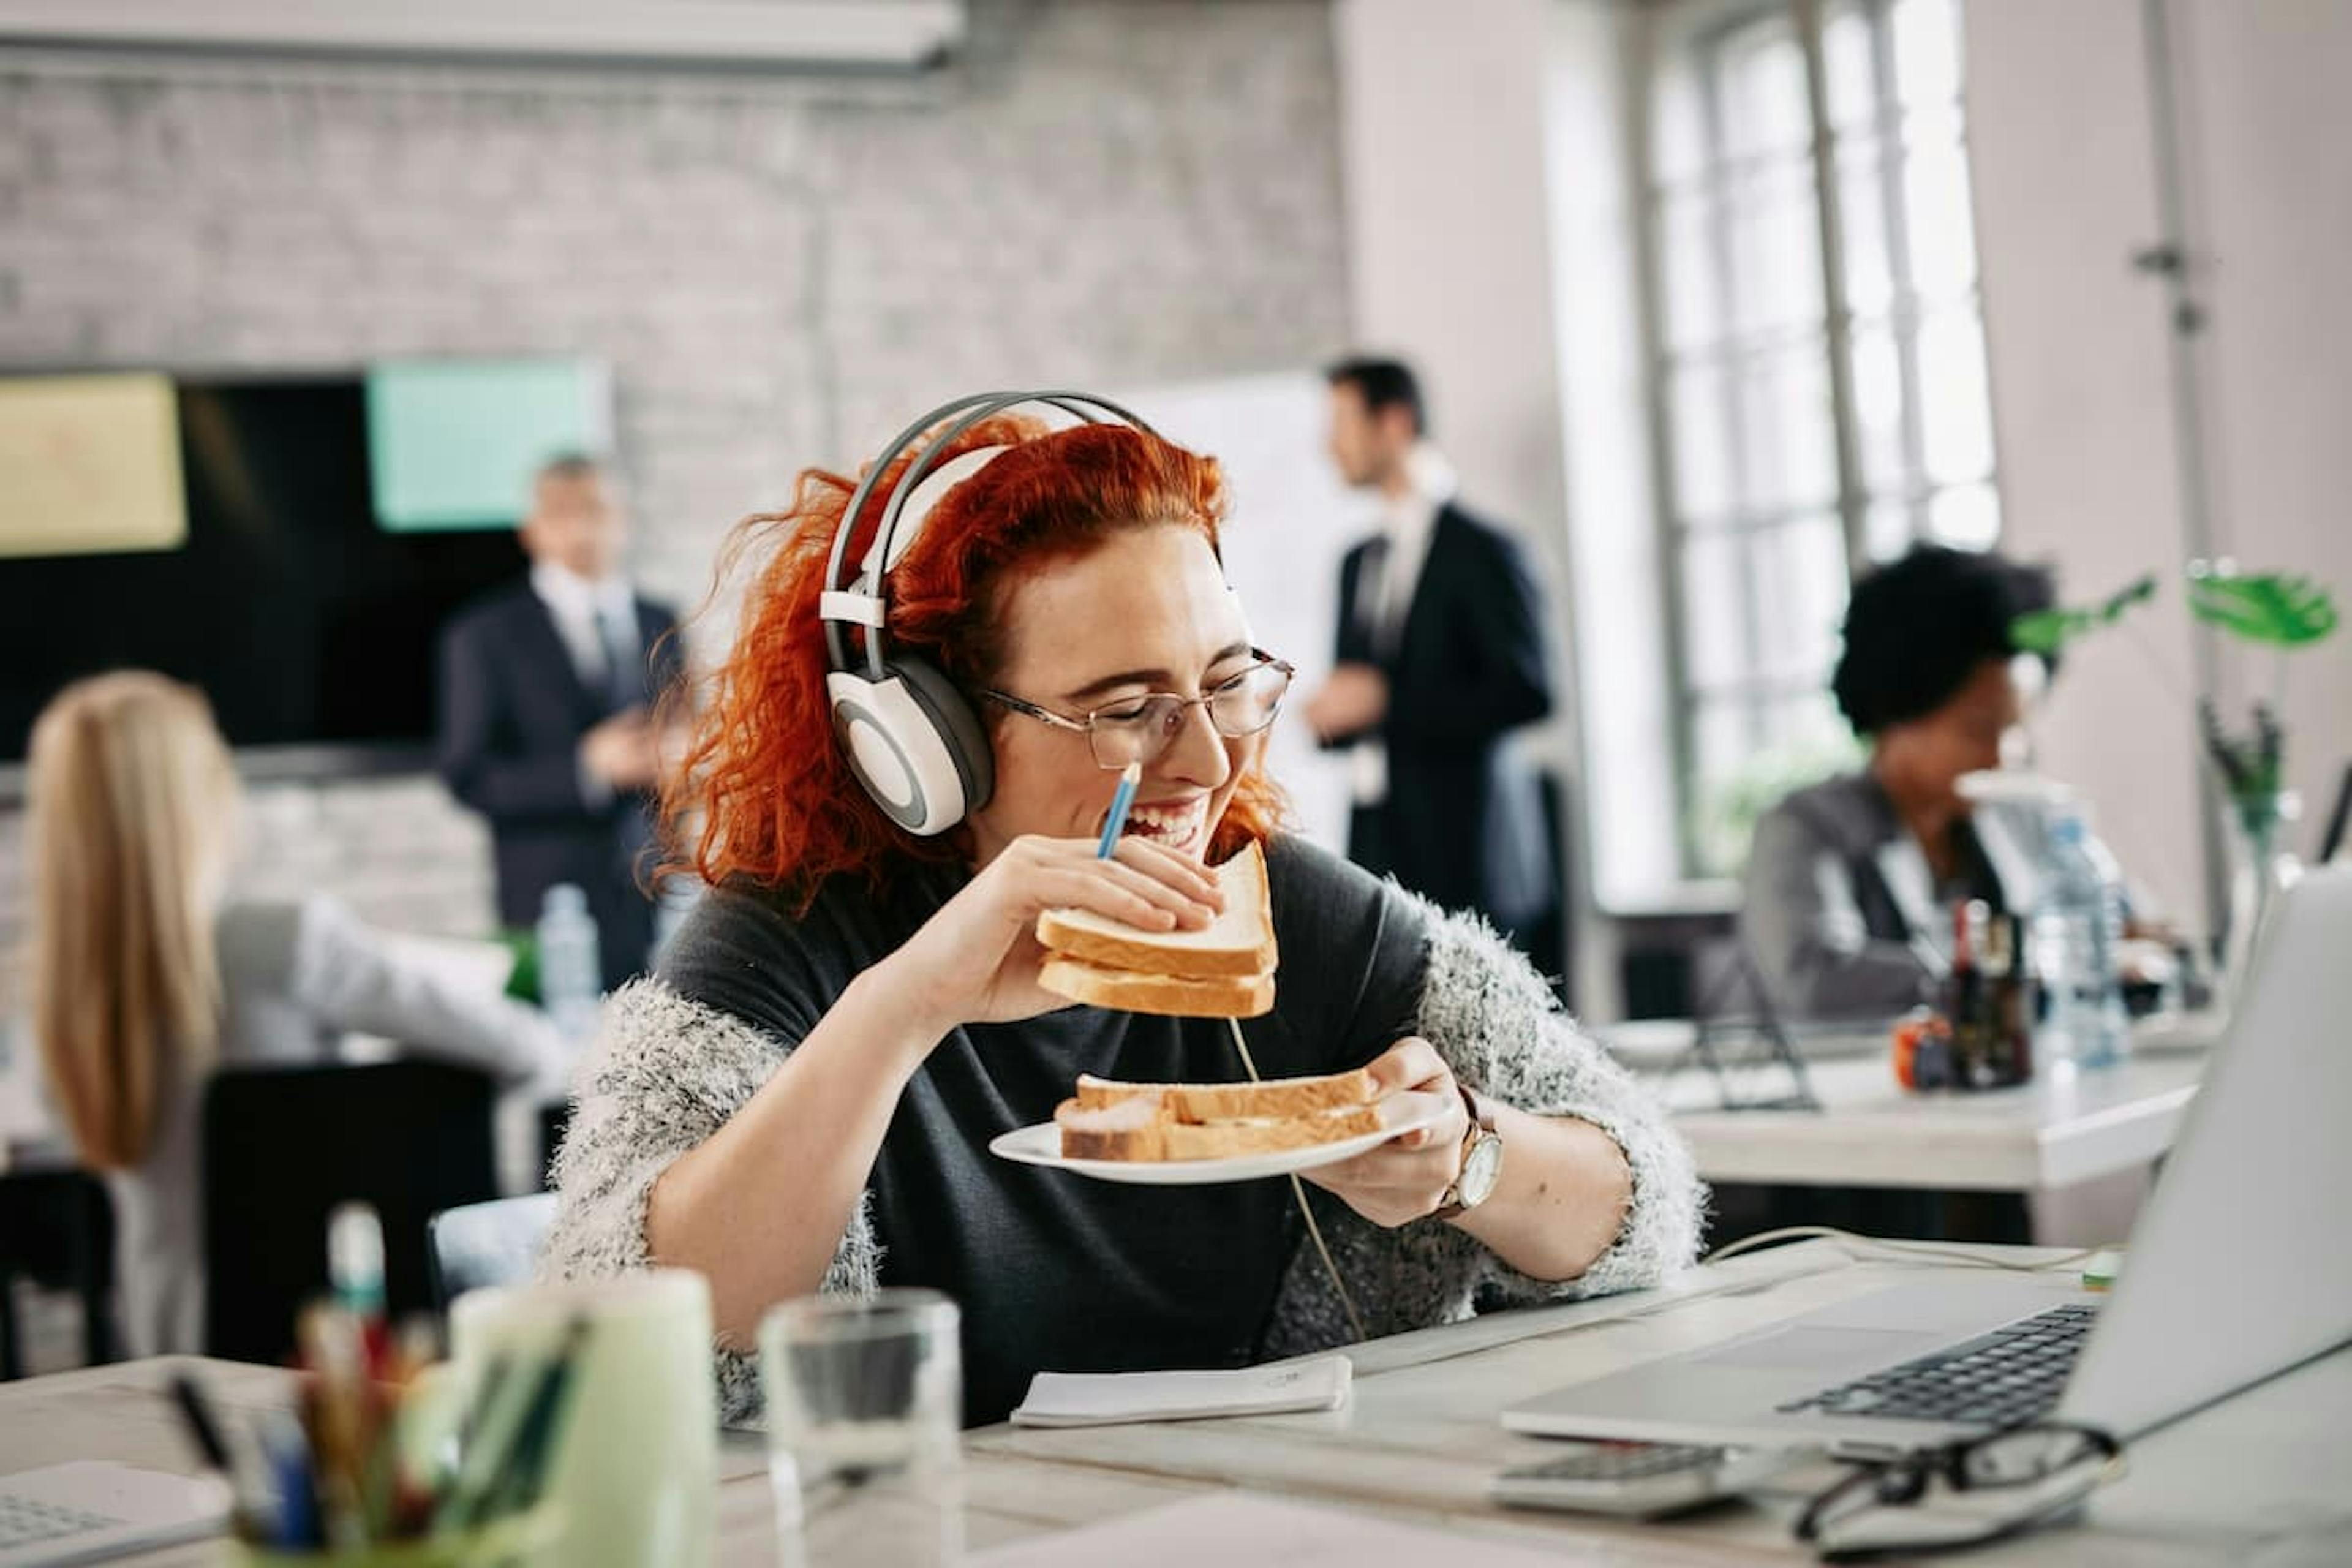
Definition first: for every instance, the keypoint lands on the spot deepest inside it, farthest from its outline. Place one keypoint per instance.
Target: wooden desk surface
(2255, 1482)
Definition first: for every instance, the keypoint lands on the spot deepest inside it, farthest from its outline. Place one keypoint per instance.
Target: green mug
(635, 1469)
(510, 1543)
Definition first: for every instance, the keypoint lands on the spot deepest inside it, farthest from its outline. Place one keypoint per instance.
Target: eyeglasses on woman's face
(1138, 729)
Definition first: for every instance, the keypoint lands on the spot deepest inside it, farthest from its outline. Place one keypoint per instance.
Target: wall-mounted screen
(305, 618)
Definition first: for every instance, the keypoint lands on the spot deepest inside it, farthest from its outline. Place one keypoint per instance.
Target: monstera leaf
(2046, 632)
(2282, 609)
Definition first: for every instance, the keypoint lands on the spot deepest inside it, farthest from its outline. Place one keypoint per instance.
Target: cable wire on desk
(1877, 1249)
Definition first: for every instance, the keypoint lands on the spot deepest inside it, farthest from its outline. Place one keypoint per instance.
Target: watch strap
(1482, 1125)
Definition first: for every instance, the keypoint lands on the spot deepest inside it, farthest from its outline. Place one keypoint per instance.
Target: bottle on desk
(1964, 1004)
(2077, 932)
(571, 969)
(2015, 1001)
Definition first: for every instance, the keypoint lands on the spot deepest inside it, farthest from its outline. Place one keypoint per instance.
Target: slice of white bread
(1239, 942)
(1129, 991)
(1223, 1139)
(1132, 1129)
(1142, 1128)
(1197, 1103)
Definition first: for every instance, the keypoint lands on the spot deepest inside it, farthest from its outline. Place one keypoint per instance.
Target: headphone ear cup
(897, 751)
(959, 729)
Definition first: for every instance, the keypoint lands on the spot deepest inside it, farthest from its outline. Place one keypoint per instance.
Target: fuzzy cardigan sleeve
(1498, 1027)
(667, 1073)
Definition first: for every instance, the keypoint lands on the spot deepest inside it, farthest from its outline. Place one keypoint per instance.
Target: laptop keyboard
(24, 1520)
(2012, 1374)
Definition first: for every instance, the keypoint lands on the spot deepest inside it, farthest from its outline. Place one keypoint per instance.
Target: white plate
(1042, 1145)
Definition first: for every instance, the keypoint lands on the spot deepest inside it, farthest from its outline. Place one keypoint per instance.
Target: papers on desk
(1101, 1399)
(1233, 1530)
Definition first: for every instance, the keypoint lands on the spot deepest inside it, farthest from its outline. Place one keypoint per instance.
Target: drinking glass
(865, 1411)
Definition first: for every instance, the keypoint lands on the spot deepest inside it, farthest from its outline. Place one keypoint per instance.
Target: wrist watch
(1482, 1160)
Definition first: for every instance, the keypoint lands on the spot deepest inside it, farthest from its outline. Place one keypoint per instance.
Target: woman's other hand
(1405, 1178)
(976, 960)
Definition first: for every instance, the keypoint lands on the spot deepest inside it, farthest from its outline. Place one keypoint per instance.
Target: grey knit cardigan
(667, 1072)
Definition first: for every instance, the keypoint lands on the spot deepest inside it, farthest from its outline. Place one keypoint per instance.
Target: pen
(1116, 824)
(297, 1526)
(201, 1425)
(535, 1445)
(355, 1268)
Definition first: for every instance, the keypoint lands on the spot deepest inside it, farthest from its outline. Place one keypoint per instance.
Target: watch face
(1482, 1167)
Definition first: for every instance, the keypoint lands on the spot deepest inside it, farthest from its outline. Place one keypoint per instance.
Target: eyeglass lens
(1138, 732)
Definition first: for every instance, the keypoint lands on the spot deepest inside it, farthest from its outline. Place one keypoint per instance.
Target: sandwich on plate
(1225, 970)
(1109, 1120)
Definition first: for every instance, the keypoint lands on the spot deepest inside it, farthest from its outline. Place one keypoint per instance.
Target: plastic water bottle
(570, 973)
(2078, 929)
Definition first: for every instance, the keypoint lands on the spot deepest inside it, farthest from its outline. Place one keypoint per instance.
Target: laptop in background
(2241, 1266)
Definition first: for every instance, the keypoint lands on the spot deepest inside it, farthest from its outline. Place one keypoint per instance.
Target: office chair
(56, 1228)
(283, 1146)
(486, 1244)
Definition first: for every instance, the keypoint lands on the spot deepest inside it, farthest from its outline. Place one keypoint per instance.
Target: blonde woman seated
(803, 1097)
(147, 975)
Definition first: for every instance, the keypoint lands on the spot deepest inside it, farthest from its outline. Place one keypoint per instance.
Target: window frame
(1717, 179)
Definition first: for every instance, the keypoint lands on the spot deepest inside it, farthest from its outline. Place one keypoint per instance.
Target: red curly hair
(775, 800)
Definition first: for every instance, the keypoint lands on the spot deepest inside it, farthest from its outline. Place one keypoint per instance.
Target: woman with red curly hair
(803, 1097)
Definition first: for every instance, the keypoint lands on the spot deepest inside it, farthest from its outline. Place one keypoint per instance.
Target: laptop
(91, 1510)
(2239, 1268)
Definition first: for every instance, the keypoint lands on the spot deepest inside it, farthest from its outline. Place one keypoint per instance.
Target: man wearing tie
(1439, 655)
(546, 715)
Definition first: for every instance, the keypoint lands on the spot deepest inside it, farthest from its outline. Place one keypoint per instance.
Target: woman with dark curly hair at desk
(1847, 877)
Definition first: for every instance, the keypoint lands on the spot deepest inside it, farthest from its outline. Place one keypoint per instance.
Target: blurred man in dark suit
(547, 715)
(1441, 655)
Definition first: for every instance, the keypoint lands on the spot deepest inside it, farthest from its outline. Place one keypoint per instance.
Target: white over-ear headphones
(910, 736)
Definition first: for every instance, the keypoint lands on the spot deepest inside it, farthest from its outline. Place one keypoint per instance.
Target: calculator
(1640, 1479)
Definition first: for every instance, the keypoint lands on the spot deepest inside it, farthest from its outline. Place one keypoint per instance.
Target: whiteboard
(1292, 522)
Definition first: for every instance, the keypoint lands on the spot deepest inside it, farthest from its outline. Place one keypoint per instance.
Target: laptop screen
(2241, 1265)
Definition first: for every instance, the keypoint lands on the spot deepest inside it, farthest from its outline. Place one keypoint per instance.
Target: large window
(1818, 359)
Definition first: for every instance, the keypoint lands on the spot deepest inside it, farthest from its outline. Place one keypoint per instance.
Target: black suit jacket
(512, 711)
(1465, 821)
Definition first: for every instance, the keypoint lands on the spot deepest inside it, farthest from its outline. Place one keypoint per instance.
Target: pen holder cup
(518, 1540)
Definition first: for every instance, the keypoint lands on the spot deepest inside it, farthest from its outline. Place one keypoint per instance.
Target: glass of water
(864, 1413)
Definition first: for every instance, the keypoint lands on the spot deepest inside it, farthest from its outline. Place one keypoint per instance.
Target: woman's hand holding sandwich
(1565, 1186)
(976, 960)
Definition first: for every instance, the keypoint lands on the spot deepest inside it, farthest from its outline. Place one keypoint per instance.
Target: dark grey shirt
(1054, 1272)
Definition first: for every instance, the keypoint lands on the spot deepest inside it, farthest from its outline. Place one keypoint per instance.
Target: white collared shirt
(1407, 522)
(574, 604)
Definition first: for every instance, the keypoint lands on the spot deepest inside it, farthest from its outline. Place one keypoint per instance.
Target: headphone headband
(911, 740)
(872, 615)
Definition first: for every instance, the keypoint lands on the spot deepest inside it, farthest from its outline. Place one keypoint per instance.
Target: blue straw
(1129, 777)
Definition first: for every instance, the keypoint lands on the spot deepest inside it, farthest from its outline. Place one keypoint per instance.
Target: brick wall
(780, 270)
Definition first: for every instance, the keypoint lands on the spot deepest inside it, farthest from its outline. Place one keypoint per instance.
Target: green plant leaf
(2280, 609)
(2046, 632)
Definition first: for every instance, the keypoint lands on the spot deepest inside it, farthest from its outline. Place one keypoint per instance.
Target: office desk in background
(2254, 1481)
(1871, 1133)
(2078, 1147)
